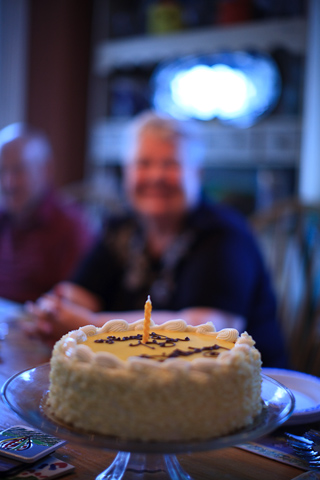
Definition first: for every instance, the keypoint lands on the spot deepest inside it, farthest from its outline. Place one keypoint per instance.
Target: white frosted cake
(186, 383)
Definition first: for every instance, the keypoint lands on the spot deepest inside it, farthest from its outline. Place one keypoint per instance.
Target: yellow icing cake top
(118, 344)
(162, 344)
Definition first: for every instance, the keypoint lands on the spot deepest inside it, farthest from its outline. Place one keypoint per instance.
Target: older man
(41, 239)
(197, 260)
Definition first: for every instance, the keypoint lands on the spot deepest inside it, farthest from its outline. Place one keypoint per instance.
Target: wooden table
(18, 353)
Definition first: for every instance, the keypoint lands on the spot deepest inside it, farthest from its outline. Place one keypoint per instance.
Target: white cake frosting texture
(138, 398)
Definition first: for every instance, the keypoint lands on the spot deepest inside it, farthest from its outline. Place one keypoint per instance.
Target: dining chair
(289, 235)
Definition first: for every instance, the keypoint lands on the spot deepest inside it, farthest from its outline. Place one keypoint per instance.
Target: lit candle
(147, 319)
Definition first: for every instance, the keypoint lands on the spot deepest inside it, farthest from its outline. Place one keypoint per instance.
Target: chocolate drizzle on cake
(207, 352)
(112, 339)
(164, 342)
(156, 339)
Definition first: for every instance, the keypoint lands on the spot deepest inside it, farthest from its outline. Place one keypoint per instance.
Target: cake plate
(25, 393)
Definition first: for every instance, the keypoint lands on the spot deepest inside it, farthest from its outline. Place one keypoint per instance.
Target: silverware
(307, 447)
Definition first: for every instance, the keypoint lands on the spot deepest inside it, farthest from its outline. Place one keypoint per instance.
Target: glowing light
(193, 91)
(207, 92)
(234, 87)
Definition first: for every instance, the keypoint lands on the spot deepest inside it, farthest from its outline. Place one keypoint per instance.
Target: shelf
(147, 50)
(274, 142)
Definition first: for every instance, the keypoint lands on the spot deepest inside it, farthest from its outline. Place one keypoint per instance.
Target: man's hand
(51, 317)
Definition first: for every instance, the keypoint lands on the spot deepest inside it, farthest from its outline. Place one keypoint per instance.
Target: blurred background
(245, 71)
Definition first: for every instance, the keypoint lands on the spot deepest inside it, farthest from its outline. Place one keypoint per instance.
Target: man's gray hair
(37, 146)
(168, 129)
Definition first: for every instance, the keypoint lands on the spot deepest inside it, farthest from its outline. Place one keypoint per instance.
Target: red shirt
(42, 251)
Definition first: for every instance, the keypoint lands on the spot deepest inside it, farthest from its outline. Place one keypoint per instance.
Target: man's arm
(77, 295)
(54, 316)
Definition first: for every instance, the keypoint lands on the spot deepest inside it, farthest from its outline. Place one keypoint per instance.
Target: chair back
(289, 235)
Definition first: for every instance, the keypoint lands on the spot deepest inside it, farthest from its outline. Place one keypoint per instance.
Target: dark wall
(59, 45)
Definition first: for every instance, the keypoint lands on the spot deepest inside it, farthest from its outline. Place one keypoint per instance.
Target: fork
(306, 447)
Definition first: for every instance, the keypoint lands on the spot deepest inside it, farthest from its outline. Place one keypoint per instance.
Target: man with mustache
(197, 260)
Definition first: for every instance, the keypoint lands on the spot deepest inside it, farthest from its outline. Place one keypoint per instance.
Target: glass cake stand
(25, 393)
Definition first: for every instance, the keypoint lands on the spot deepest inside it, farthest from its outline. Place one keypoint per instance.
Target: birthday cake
(185, 383)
